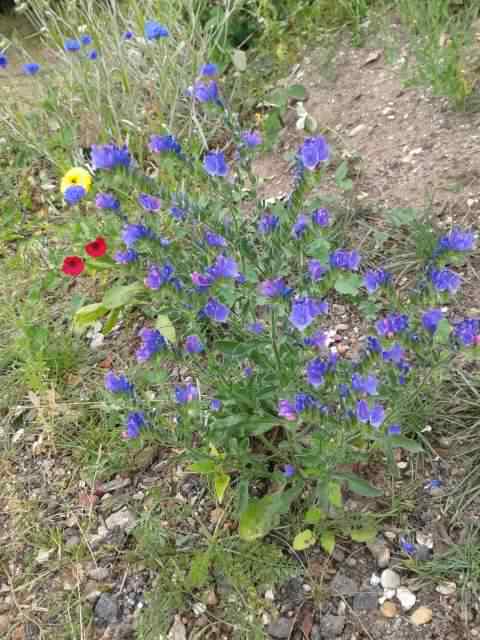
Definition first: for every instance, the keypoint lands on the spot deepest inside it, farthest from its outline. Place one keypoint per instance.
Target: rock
(446, 588)
(270, 595)
(365, 600)
(315, 633)
(106, 609)
(294, 593)
(423, 615)
(178, 631)
(4, 624)
(44, 555)
(211, 599)
(332, 626)
(357, 129)
(280, 629)
(380, 552)
(425, 539)
(343, 585)
(91, 591)
(389, 579)
(374, 580)
(389, 594)
(406, 597)
(72, 541)
(124, 519)
(199, 608)
(423, 553)
(389, 609)
(99, 573)
(338, 555)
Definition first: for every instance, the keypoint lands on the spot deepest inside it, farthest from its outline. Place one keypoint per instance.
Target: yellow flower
(76, 176)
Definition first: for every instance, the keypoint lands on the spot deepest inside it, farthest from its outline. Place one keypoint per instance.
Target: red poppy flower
(73, 266)
(97, 248)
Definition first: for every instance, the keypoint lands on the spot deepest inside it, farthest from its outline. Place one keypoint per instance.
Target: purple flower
(205, 92)
(92, 55)
(321, 217)
(215, 165)
(374, 279)
(152, 343)
(3, 61)
(214, 239)
(468, 331)
(375, 416)
(201, 281)
(395, 354)
(407, 547)
(117, 384)
(362, 412)
(433, 484)
(131, 233)
(158, 276)
(431, 318)
(367, 385)
(223, 267)
(127, 35)
(149, 203)
(178, 213)
(185, 394)
(248, 372)
(445, 280)
(161, 144)
(72, 195)
(373, 344)
(394, 430)
(313, 151)
(288, 470)
(305, 310)
(107, 201)
(272, 288)
(342, 259)
(109, 156)
(153, 30)
(86, 40)
(392, 324)
(268, 223)
(287, 410)
(135, 422)
(193, 345)
(300, 226)
(256, 327)
(316, 270)
(251, 138)
(216, 310)
(125, 257)
(71, 45)
(343, 390)
(317, 340)
(31, 68)
(215, 405)
(209, 70)
(457, 240)
(316, 371)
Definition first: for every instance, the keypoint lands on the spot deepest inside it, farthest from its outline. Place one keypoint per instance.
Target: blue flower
(288, 470)
(71, 45)
(468, 331)
(215, 165)
(109, 156)
(216, 311)
(202, 281)
(366, 384)
(107, 201)
(205, 92)
(3, 61)
(127, 35)
(305, 310)
(321, 217)
(72, 195)
(457, 240)
(268, 223)
(392, 324)
(214, 239)
(153, 30)
(431, 318)
(160, 144)
(31, 68)
(374, 279)
(86, 40)
(433, 484)
(117, 384)
(193, 344)
(209, 70)
(135, 422)
(223, 267)
(152, 343)
(395, 354)
(445, 280)
(316, 270)
(300, 226)
(251, 138)
(149, 203)
(316, 371)
(375, 416)
(125, 257)
(178, 213)
(158, 276)
(373, 344)
(92, 55)
(131, 233)
(287, 410)
(394, 430)
(185, 394)
(342, 259)
(313, 151)
(256, 327)
(248, 372)
(304, 401)
(216, 405)
(273, 288)
(407, 547)
(317, 340)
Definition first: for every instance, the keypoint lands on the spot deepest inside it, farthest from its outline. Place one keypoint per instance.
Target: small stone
(389, 609)
(106, 609)
(332, 626)
(425, 539)
(72, 541)
(380, 552)
(281, 628)
(270, 595)
(446, 588)
(374, 580)
(5, 623)
(199, 608)
(359, 128)
(124, 519)
(178, 631)
(343, 585)
(365, 600)
(423, 553)
(91, 592)
(211, 599)
(338, 555)
(389, 579)
(423, 615)
(99, 574)
(266, 619)
(406, 597)
(389, 594)
(44, 555)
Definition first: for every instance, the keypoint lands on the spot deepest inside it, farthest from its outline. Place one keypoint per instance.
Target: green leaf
(111, 321)
(319, 249)
(405, 443)
(334, 494)
(443, 331)
(313, 515)
(342, 172)
(121, 295)
(166, 328)
(262, 515)
(199, 567)
(88, 315)
(304, 540)
(402, 216)
(278, 98)
(348, 283)
(221, 482)
(327, 540)
(365, 534)
(359, 485)
(297, 92)
(239, 59)
(100, 263)
(206, 466)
